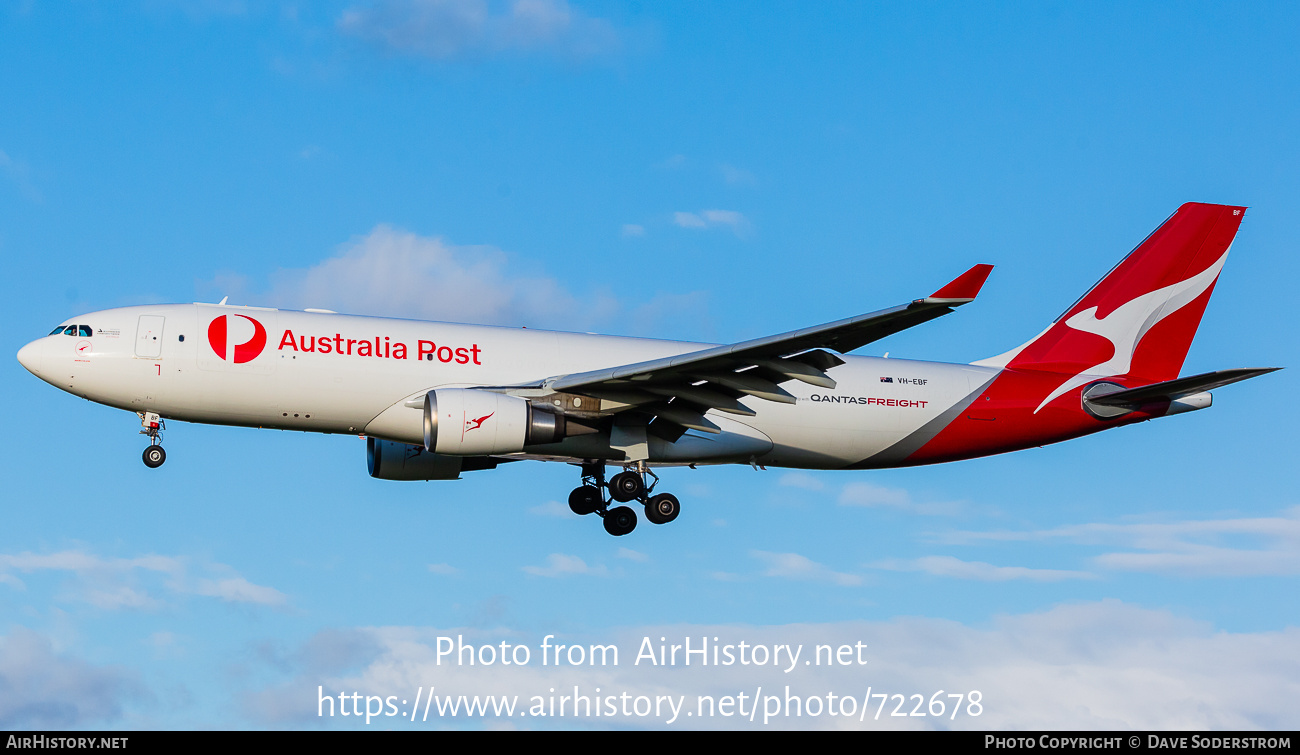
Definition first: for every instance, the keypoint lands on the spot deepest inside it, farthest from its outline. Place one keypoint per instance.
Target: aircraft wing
(678, 390)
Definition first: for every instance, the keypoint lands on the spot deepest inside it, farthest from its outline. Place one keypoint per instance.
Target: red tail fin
(1140, 319)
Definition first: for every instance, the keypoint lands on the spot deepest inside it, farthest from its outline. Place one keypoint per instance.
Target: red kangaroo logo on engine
(247, 351)
(475, 424)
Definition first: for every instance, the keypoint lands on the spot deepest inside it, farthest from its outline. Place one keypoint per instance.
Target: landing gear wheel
(584, 500)
(154, 456)
(663, 508)
(620, 520)
(626, 486)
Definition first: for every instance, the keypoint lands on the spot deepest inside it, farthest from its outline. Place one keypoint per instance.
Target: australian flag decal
(886, 380)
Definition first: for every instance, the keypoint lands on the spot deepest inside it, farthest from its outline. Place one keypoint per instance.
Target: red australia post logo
(236, 338)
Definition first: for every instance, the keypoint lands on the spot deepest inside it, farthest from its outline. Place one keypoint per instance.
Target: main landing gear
(625, 487)
(152, 425)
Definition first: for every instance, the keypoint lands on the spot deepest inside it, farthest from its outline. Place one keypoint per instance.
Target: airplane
(435, 400)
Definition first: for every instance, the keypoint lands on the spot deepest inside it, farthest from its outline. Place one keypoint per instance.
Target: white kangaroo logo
(1126, 326)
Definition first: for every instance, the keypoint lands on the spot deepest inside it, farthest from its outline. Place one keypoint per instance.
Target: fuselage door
(148, 337)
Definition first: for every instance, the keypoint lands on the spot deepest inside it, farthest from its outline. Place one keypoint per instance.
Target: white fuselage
(325, 372)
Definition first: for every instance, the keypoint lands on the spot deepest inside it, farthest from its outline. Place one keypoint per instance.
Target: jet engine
(387, 460)
(471, 422)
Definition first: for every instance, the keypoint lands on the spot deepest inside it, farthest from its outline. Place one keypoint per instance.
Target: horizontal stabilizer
(1172, 390)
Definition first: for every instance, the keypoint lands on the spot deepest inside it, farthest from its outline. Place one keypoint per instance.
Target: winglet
(963, 288)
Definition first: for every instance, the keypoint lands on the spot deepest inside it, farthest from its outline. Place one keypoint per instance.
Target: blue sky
(714, 172)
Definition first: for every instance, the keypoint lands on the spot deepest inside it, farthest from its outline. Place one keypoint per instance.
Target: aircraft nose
(29, 356)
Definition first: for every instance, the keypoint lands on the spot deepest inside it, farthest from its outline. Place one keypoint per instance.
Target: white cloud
(41, 688)
(1096, 666)
(116, 583)
(689, 220)
(736, 176)
(801, 480)
(795, 566)
(1181, 548)
(632, 555)
(675, 162)
(632, 229)
(867, 494)
(672, 313)
(20, 174)
(703, 219)
(948, 566)
(203, 10)
(398, 273)
(456, 29)
(870, 495)
(443, 569)
(166, 645)
(724, 217)
(82, 562)
(1194, 560)
(118, 597)
(564, 565)
(239, 590)
(552, 509)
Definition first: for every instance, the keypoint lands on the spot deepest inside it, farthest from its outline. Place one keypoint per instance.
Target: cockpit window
(73, 330)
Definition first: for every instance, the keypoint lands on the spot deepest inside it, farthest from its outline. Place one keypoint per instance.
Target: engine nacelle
(387, 460)
(469, 422)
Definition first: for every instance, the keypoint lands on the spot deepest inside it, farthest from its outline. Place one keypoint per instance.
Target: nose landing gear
(154, 456)
(625, 487)
(152, 425)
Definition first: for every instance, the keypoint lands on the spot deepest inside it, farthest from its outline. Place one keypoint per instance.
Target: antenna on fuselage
(222, 303)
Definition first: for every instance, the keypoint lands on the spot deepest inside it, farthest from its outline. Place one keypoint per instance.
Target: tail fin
(1139, 320)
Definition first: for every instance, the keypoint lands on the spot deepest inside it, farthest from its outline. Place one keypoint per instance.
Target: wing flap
(702, 396)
